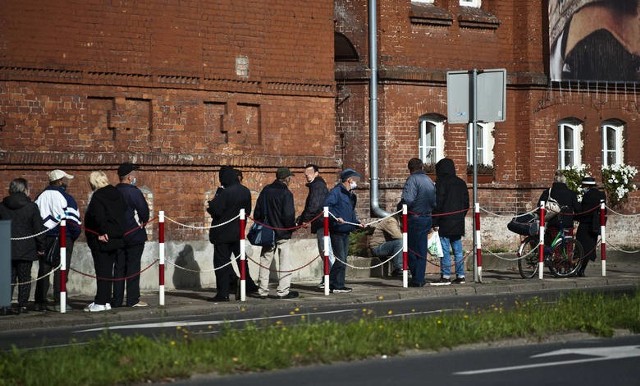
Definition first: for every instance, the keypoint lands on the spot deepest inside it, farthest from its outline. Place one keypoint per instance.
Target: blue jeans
(340, 246)
(417, 234)
(390, 248)
(449, 243)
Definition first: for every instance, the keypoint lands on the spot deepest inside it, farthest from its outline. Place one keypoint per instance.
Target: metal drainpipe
(373, 109)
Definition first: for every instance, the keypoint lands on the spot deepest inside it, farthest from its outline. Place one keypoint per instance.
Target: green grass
(115, 359)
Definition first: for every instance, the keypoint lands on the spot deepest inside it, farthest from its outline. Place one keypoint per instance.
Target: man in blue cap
(342, 203)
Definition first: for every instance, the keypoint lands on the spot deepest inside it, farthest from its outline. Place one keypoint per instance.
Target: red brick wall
(86, 85)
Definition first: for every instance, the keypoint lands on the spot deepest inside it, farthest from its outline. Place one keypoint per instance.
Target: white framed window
(569, 143)
(431, 145)
(471, 3)
(612, 140)
(484, 148)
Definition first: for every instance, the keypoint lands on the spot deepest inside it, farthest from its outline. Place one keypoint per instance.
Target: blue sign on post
(5, 265)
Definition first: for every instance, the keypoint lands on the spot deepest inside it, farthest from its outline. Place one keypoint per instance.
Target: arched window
(569, 143)
(431, 146)
(612, 138)
(484, 136)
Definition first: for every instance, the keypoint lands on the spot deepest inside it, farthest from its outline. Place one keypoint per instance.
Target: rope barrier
(114, 279)
(373, 266)
(620, 214)
(620, 249)
(31, 236)
(53, 270)
(202, 227)
(285, 271)
(201, 271)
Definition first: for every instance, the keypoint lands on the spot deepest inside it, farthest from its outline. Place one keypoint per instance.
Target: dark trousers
(103, 263)
(417, 242)
(21, 270)
(589, 242)
(42, 285)
(340, 246)
(127, 265)
(224, 275)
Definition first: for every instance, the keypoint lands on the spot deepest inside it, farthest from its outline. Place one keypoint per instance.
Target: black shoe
(459, 280)
(413, 284)
(40, 307)
(442, 281)
(218, 298)
(290, 295)
(341, 290)
(22, 310)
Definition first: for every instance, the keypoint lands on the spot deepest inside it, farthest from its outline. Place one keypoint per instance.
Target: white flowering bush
(574, 176)
(618, 182)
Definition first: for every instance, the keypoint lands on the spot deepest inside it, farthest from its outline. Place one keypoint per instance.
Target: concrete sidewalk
(499, 277)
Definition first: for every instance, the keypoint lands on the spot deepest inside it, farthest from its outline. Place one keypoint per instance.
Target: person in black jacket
(276, 209)
(224, 233)
(452, 203)
(26, 224)
(313, 208)
(568, 201)
(104, 221)
(128, 259)
(589, 220)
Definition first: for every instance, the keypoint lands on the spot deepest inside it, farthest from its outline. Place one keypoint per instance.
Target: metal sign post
(476, 96)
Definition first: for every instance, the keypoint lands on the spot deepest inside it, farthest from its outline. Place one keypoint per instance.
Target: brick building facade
(186, 87)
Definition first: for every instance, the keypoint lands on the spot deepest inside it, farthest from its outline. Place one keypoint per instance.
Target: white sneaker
(93, 307)
(140, 304)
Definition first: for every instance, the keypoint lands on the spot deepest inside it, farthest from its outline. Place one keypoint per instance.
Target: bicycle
(563, 256)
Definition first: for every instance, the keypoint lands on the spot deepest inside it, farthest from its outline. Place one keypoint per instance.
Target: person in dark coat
(27, 226)
(452, 203)
(224, 233)
(589, 220)
(104, 221)
(342, 201)
(568, 201)
(276, 209)
(313, 207)
(129, 258)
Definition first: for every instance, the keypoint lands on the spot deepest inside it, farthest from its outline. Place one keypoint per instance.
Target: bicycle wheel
(528, 257)
(567, 257)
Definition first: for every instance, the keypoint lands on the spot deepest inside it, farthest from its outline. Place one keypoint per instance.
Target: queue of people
(114, 229)
(116, 216)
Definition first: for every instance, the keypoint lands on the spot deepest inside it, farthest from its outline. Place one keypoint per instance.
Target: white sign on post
(490, 95)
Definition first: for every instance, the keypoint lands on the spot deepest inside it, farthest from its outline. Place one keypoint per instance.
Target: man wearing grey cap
(55, 204)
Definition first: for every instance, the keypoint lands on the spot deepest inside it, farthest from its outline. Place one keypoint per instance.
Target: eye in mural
(594, 40)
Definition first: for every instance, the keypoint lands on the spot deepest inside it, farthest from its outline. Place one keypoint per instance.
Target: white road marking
(601, 354)
(208, 322)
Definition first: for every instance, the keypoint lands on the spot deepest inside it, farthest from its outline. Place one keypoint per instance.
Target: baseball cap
(126, 168)
(589, 181)
(58, 174)
(283, 173)
(348, 173)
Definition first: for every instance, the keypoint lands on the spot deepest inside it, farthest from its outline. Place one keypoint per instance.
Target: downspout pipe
(373, 110)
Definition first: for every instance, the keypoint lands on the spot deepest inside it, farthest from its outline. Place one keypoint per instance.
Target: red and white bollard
(161, 257)
(478, 242)
(63, 266)
(243, 259)
(405, 248)
(603, 238)
(326, 251)
(541, 243)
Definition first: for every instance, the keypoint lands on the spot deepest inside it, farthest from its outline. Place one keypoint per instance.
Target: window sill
(477, 18)
(428, 14)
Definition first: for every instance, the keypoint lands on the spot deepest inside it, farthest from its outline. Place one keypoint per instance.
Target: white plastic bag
(433, 244)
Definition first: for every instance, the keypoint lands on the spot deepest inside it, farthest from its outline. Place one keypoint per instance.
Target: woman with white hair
(104, 229)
